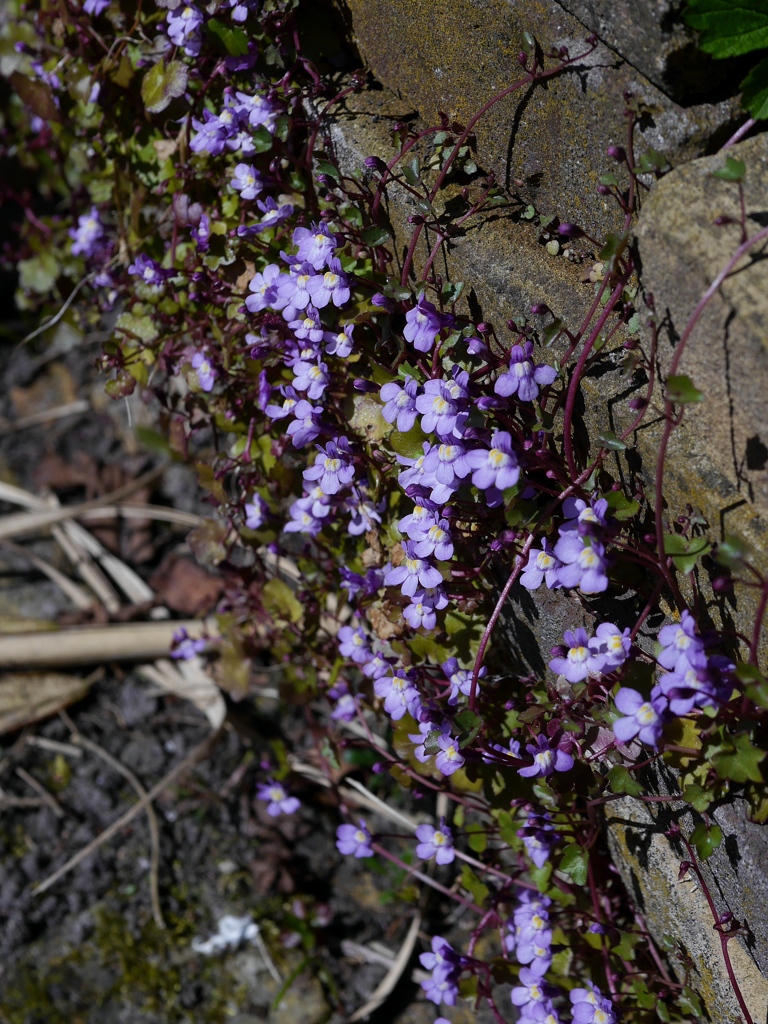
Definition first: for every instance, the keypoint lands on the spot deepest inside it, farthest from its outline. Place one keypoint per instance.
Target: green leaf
(39, 273)
(729, 27)
(574, 863)
(685, 553)
(609, 179)
(731, 552)
(625, 948)
(281, 602)
(698, 797)
(326, 167)
(376, 236)
(262, 140)
(470, 724)
(474, 886)
(621, 506)
(477, 838)
(706, 839)
(610, 441)
(231, 40)
(734, 170)
(755, 683)
(411, 444)
(739, 760)
(681, 391)
(620, 780)
(755, 91)
(162, 84)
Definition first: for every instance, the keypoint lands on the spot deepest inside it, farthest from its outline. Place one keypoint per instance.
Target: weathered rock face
(651, 36)
(719, 456)
(548, 142)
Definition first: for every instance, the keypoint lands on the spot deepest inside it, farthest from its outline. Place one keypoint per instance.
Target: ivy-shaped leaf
(739, 760)
(685, 553)
(680, 390)
(620, 780)
(162, 84)
(729, 27)
(574, 863)
(734, 170)
(706, 839)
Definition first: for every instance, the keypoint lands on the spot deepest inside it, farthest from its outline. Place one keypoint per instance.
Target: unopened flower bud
(415, 218)
(383, 302)
(483, 328)
(570, 231)
(375, 163)
(539, 309)
(522, 59)
(366, 386)
(617, 153)
(722, 584)
(636, 404)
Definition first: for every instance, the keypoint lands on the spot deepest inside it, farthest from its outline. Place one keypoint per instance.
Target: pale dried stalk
(79, 598)
(131, 641)
(41, 791)
(387, 984)
(47, 416)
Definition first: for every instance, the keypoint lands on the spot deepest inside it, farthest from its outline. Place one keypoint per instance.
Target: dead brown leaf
(386, 621)
(54, 386)
(27, 697)
(184, 586)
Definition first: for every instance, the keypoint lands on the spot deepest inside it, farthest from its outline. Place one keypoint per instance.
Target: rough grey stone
(652, 37)
(547, 141)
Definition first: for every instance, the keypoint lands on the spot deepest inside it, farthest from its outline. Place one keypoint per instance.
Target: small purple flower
(184, 29)
(333, 467)
(202, 232)
(346, 704)
(311, 377)
(273, 214)
(448, 759)
(448, 464)
(612, 645)
(184, 647)
(247, 181)
(87, 235)
(440, 412)
(353, 644)
(316, 245)
(542, 566)
(302, 520)
(265, 288)
(579, 661)
(420, 614)
(332, 286)
(460, 679)
(258, 109)
(590, 1007)
(435, 842)
(95, 7)
(584, 565)
(211, 133)
(530, 990)
(434, 539)
(148, 270)
(306, 426)
(524, 379)
(423, 324)
(278, 801)
(206, 374)
(364, 517)
(256, 511)
(546, 760)
(441, 988)
(679, 640)
(413, 573)
(495, 468)
(400, 402)
(442, 958)
(642, 720)
(340, 344)
(414, 523)
(399, 694)
(377, 667)
(308, 327)
(354, 840)
(539, 836)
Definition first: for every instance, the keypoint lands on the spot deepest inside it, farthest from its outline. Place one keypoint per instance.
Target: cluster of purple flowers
(693, 679)
(233, 127)
(579, 558)
(582, 656)
(446, 966)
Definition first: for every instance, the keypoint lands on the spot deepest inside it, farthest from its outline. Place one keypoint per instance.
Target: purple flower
(435, 842)
(688, 686)
(448, 464)
(273, 214)
(530, 990)
(332, 286)
(306, 427)
(202, 232)
(442, 958)
(416, 475)
(290, 400)
(247, 181)
(542, 565)
(413, 573)
(642, 720)
(586, 519)
(341, 344)
(460, 679)
(184, 29)
(423, 324)
(611, 644)
(495, 468)
(256, 511)
(590, 1007)
(354, 840)
(398, 692)
(448, 759)
(316, 245)
(584, 565)
(211, 133)
(420, 739)
(400, 403)
(539, 836)
(353, 644)
(414, 523)
(310, 377)
(258, 109)
(87, 235)
(355, 584)
(333, 467)
(346, 705)
(377, 667)
(679, 640)
(546, 759)
(420, 614)
(365, 516)
(95, 7)
(206, 374)
(523, 378)
(264, 288)
(149, 271)
(302, 520)
(440, 412)
(434, 538)
(441, 988)
(308, 327)
(579, 661)
(184, 647)
(278, 801)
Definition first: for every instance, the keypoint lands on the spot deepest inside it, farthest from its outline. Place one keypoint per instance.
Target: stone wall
(548, 145)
